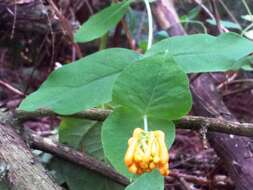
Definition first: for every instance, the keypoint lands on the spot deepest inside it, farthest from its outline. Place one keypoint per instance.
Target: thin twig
(229, 13)
(209, 13)
(199, 180)
(240, 90)
(228, 80)
(240, 81)
(216, 15)
(89, 7)
(14, 20)
(129, 36)
(194, 179)
(66, 27)
(184, 183)
(11, 88)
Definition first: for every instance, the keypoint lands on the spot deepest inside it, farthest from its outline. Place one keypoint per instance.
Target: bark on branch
(187, 122)
(22, 170)
(82, 159)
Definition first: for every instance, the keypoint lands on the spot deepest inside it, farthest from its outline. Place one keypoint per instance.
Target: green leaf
(225, 23)
(247, 63)
(249, 34)
(72, 131)
(78, 178)
(91, 142)
(118, 128)
(191, 15)
(205, 53)
(148, 181)
(3, 186)
(247, 18)
(102, 22)
(81, 85)
(154, 86)
(83, 135)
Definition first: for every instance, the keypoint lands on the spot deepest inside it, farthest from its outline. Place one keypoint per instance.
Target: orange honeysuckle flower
(147, 151)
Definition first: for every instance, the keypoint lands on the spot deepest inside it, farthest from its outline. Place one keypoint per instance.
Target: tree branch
(86, 161)
(21, 170)
(187, 122)
(69, 154)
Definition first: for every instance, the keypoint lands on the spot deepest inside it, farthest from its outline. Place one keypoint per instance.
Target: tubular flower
(147, 151)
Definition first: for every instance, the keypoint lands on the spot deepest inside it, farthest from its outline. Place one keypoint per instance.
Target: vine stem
(145, 119)
(150, 40)
(150, 24)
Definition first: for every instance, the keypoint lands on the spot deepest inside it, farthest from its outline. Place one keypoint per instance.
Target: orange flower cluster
(146, 151)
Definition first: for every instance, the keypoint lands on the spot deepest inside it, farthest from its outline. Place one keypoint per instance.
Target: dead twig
(11, 88)
(203, 181)
(216, 16)
(129, 36)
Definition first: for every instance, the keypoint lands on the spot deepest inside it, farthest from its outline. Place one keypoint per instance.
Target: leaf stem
(150, 24)
(145, 118)
(103, 41)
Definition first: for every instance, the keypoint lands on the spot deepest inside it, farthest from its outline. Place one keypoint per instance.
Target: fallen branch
(71, 155)
(187, 122)
(19, 168)
(86, 161)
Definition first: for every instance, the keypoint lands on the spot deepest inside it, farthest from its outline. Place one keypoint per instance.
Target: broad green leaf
(205, 53)
(92, 143)
(118, 128)
(73, 130)
(102, 22)
(78, 178)
(84, 135)
(154, 86)
(148, 181)
(81, 85)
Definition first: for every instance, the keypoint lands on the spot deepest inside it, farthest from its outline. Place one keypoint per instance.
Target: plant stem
(247, 7)
(246, 29)
(103, 41)
(145, 118)
(150, 24)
